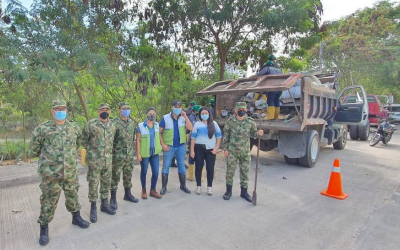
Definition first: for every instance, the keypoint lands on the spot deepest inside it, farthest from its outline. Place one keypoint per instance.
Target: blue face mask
(205, 117)
(177, 111)
(126, 112)
(61, 115)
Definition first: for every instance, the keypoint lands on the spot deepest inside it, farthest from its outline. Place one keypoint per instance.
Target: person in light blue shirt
(205, 141)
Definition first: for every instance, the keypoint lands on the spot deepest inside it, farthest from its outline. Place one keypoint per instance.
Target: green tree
(231, 30)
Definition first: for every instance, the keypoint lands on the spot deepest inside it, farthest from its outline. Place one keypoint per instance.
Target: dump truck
(317, 116)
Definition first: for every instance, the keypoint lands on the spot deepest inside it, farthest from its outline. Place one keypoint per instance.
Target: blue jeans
(180, 153)
(154, 161)
(273, 99)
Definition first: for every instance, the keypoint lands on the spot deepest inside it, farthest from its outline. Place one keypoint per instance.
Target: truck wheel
(363, 132)
(341, 142)
(354, 132)
(291, 161)
(312, 150)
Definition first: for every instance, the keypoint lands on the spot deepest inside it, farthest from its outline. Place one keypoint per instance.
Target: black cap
(176, 103)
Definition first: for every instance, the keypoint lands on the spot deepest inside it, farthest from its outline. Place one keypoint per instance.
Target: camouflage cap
(241, 105)
(104, 106)
(124, 105)
(58, 103)
(196, 108)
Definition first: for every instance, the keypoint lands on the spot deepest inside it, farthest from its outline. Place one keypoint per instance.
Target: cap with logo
(177, 103)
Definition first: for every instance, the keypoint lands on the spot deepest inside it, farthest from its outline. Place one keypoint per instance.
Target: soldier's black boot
(245, 195)
(113, 200)
(106, 208)
(228, 192)
(182, 180)
(77, 220)
(93, 212)
(129, 197)
(44, 235)
(164, 181)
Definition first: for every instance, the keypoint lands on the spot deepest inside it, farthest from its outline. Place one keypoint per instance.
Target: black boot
(129, 197)
(106, 208)
(77, 220)
(245, 195)
(182, 180)
(164, 181)
(228, 193)
(93, 212)
(113, 200)
(44, 235)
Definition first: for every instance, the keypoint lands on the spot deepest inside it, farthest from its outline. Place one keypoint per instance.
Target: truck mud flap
(292, 144)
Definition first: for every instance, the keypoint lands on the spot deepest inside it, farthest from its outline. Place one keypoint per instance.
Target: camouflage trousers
(243, 160)
(124, 166)
(51, 190)
(98, 174)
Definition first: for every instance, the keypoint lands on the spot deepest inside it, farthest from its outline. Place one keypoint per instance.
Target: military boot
(182, 180)
(228, 192)
(93, 212)
(44, 235)
(113, 200)
(105, 207)
(129, 197)
(245, 195)
(164, 182)
(77, 220)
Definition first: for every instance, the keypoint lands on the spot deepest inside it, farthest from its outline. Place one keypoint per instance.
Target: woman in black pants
(206, 139)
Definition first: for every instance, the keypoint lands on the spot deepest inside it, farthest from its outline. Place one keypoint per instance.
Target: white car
(394, 112)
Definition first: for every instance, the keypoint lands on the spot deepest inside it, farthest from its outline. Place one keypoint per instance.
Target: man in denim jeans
(173, 141)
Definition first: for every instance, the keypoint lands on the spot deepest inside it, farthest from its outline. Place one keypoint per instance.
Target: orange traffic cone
(335, 183)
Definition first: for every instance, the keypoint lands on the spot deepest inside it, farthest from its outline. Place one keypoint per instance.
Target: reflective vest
(145, 140)
(168, 132)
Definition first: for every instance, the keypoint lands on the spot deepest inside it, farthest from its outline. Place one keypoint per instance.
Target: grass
(14, 150)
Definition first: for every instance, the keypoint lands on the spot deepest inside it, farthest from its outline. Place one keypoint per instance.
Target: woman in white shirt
(206, 139)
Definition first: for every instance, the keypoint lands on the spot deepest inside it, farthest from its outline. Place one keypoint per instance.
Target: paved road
(291, 213)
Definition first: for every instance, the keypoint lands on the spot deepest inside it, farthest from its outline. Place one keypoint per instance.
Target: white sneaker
(209, 191)
(198, 191)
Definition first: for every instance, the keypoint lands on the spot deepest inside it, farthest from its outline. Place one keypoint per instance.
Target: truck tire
(312, 150)
(291, 161)
(363, 132)
(341, 142)
(354, 132)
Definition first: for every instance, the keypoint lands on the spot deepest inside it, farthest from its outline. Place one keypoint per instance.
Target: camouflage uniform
(56, 145)
(123, 152)
(236, 141)
(97, 138)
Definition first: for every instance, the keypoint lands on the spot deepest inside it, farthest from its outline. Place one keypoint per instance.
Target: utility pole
(321, 52)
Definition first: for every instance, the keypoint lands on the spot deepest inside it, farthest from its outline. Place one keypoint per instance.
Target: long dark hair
(210, 122)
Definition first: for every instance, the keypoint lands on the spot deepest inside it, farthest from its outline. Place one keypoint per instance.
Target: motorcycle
(384, 133)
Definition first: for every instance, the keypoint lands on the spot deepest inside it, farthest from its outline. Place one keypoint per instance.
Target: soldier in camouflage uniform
(236, 141)
(123, 154)
(56, 142)
(97, 138)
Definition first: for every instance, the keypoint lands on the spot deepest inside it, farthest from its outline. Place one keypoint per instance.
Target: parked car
(394, 112)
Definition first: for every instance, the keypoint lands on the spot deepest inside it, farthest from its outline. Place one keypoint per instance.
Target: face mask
(126, 113)
(61, 115)
(151, 118)
(205, 117)
(104, 115)
(241, 113)
(177, 111)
